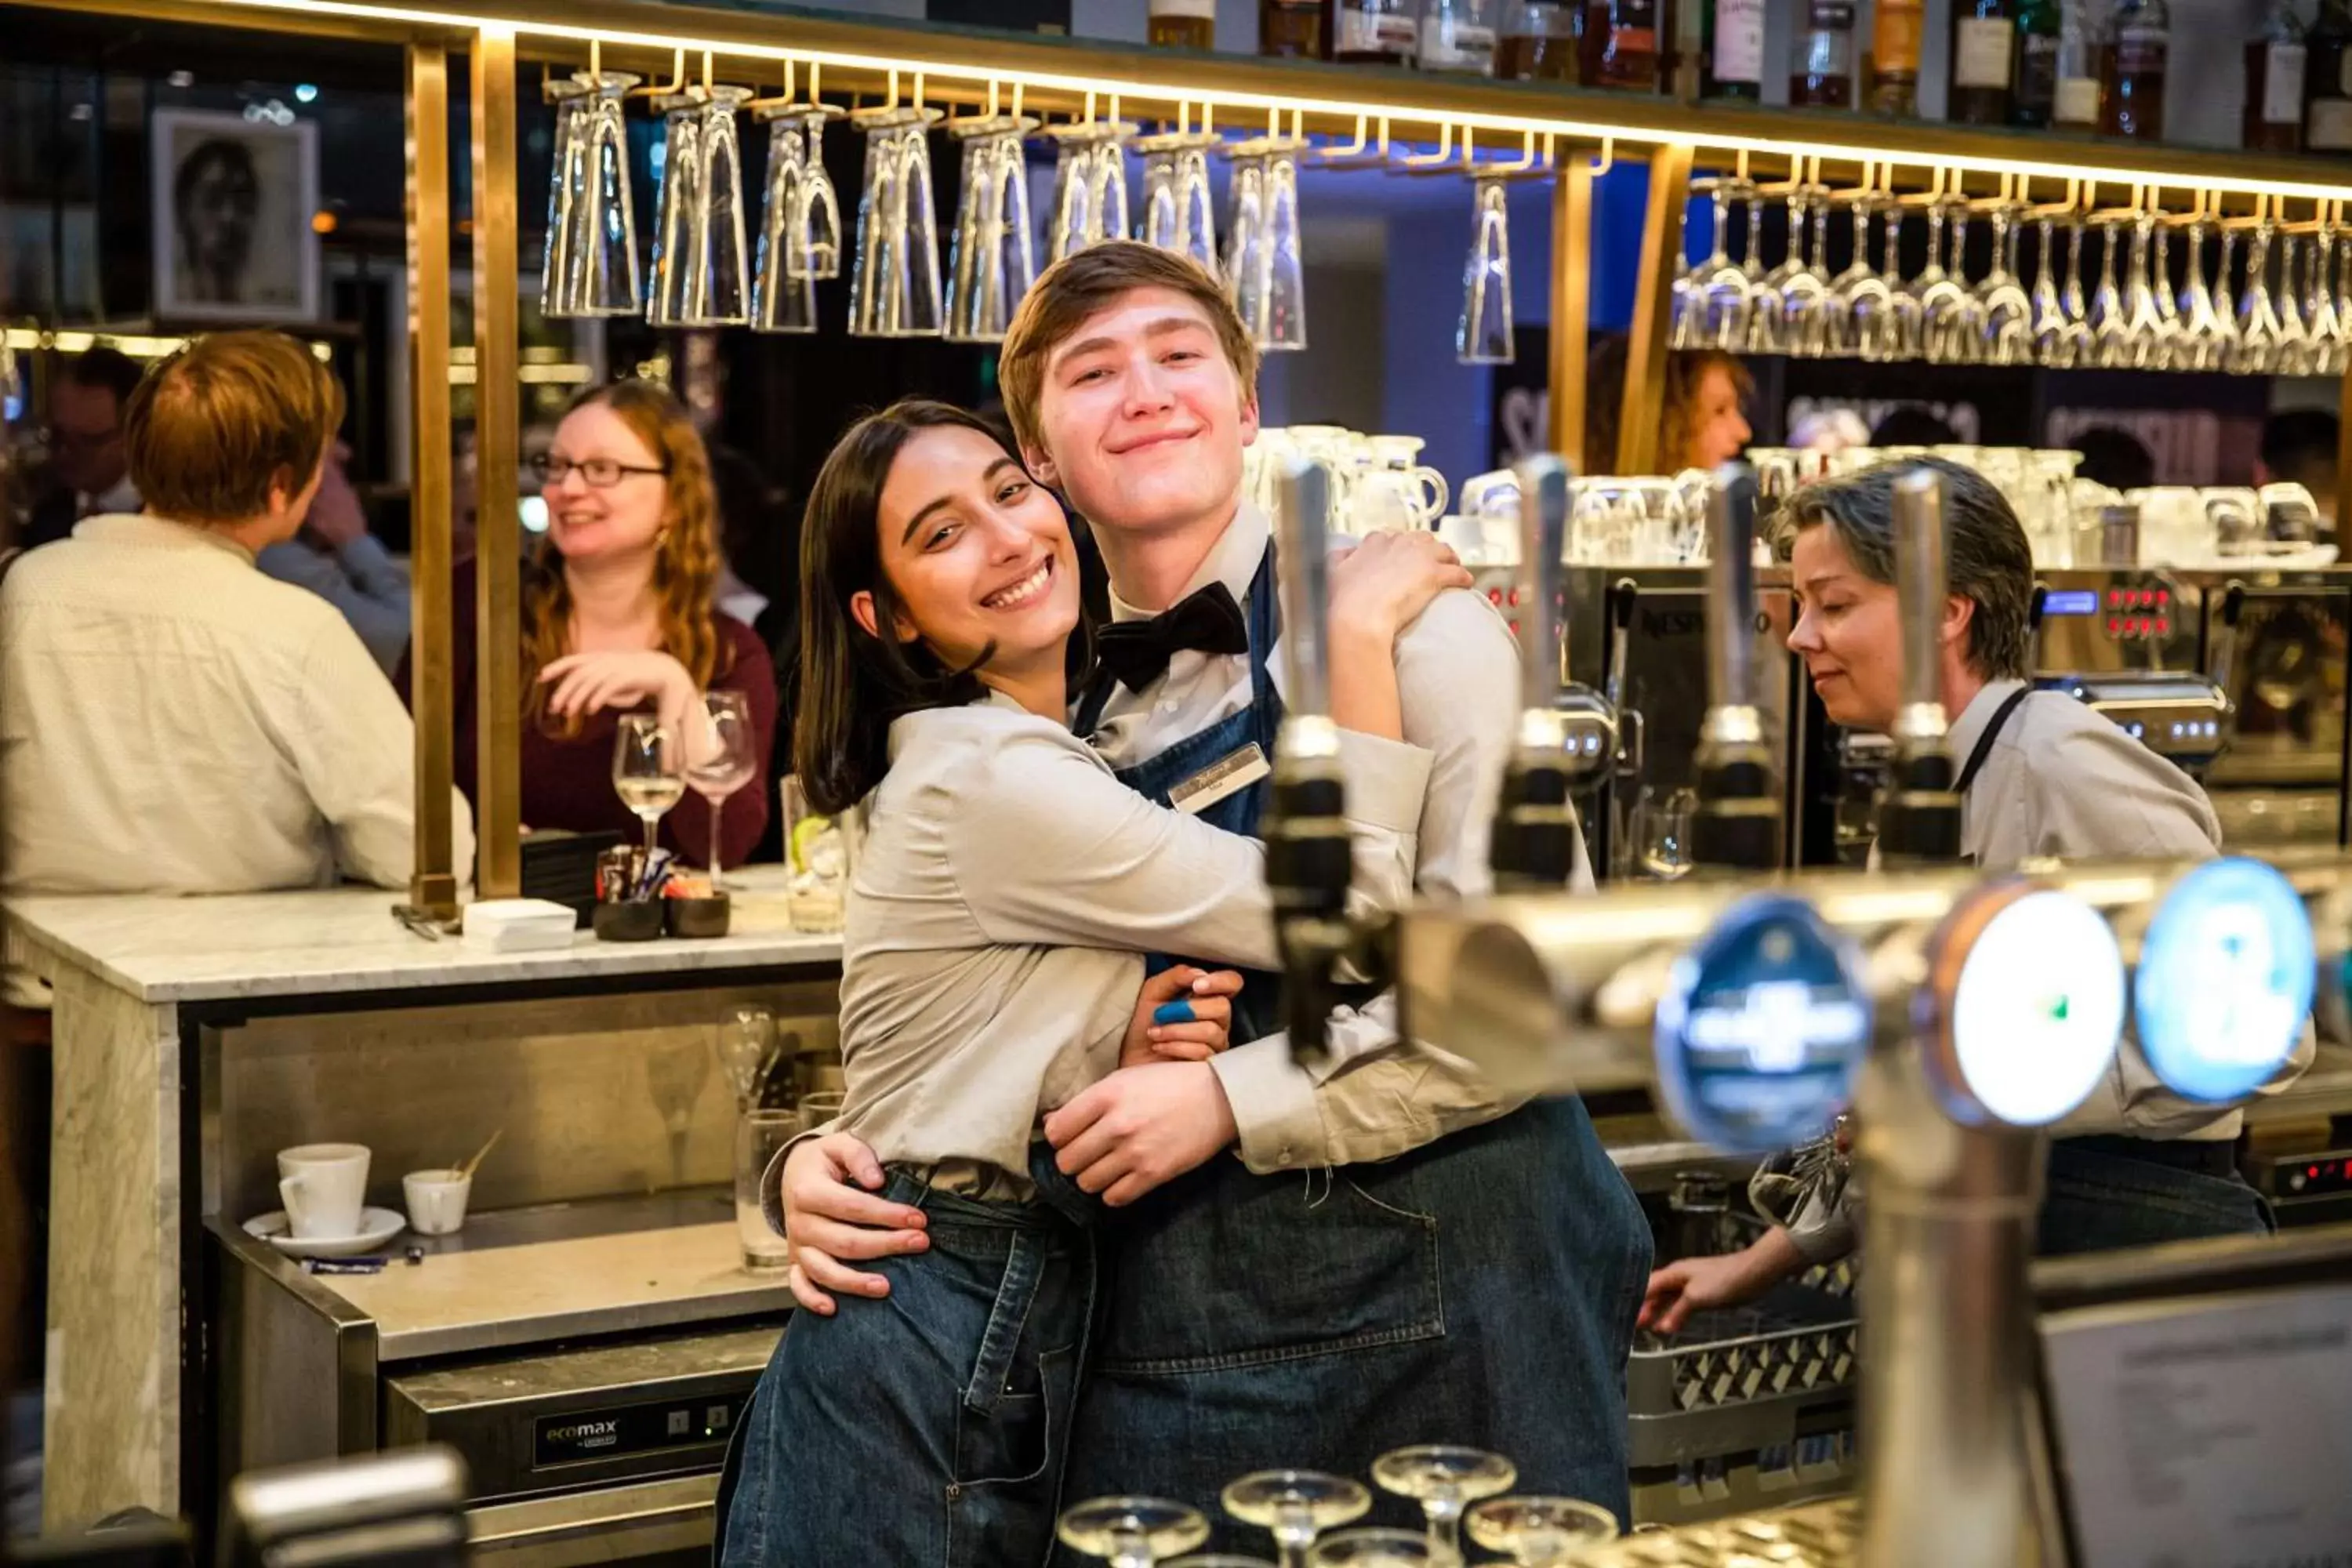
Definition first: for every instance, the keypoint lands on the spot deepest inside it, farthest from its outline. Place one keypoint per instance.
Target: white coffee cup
(324, 1187)
(437, 1200)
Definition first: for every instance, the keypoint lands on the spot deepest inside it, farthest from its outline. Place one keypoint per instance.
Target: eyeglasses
(601, 473)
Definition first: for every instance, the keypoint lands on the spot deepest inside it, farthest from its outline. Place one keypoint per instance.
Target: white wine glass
(648, 771)
(1444, 1479)
(1382, 1549)
(1132, 1531)
(725, 760)
(1539, 1532)
(1297, 1506)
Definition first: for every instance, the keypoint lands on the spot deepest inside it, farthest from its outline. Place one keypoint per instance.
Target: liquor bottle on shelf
(1895, 57)
(1823, 77)
(2076, 102)
(1377, 32)
(1538, 42)
(1734, 48)
(2327, 79)
(2276, 57)
(1984, 61)
(2132, 51)
(1295, 30)
(1681, 47)
(2039, 33)
(1458, 35)
(1182, 24)
(1621, 45)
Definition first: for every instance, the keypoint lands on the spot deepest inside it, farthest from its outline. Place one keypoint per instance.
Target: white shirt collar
(1232, 560)
(141, 531)
(123, 498)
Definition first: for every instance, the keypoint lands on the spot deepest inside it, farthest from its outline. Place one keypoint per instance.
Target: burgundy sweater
(567, 780)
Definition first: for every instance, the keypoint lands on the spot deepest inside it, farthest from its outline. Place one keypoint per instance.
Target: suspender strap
(1984, 742)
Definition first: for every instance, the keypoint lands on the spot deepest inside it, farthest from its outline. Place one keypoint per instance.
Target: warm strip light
(1239, 100)
(80, 339)
(531, 375)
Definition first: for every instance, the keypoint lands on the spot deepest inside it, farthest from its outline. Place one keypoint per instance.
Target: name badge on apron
(1228, 775)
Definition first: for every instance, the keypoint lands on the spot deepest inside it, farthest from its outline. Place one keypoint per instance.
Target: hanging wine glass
(701, 275)
(567, 182)
(1949, 332)
(1089, 186)
(1899, 327)
(992, 263)
(2255, 351)
(1484, 336)
(1762, 333)
(591, 265)
(2151, 338)
(2204, 332)
(895, 284)
(800, 230)
(1719, 294)
(1799, 283)
(2004, 314)
(1857, 296)
(2295, 355)
(1285, 262)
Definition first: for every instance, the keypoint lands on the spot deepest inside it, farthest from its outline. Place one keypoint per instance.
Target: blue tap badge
(2225, 981)
(1762, 1027)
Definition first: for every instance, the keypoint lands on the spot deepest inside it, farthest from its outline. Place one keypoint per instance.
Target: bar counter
(193, 1037)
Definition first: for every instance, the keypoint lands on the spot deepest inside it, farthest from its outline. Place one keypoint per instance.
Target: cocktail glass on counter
(1132, 1531)
(1444, 1479)
(1297, 1506)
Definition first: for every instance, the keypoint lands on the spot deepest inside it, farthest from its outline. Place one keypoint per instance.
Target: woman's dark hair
(851, 683)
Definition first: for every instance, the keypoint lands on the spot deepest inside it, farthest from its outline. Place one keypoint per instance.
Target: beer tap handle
(1919, 819)
(2222, 662)
(1623, 594)
(1534, 841)
(1306, 846)
(1737, 823)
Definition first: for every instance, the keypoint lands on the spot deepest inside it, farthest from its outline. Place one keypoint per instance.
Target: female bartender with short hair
(1006, 888)
(617, 615)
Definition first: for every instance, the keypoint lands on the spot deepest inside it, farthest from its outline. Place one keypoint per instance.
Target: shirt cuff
(1272, 1103)
(1386, 781)
(1824, 1233)
(771, 1181)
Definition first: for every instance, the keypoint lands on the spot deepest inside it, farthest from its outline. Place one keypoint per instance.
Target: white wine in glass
(1133, 1531)
(724, 763)
(648, 771)
(1297, 1506)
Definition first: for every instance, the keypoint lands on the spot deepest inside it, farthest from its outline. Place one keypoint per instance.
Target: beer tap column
(1919, 820)
(1307, 866)
(1534, 844)
(1737, 823)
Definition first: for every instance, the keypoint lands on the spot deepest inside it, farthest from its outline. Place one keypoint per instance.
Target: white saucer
(376, 1227)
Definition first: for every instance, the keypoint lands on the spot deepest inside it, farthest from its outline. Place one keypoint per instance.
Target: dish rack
(1748, 1408)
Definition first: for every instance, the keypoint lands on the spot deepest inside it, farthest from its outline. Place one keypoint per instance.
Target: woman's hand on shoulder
(1379, 587)
(1181, 1014)
(582, 683)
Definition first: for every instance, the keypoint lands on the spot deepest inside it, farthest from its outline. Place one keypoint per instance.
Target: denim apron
(1480, 1289)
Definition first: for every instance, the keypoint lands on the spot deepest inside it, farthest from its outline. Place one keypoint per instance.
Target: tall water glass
(701, 272)
(1179, 210)
(800, 232)
(992, 263)
(894, 289)
(592, 264)
(1089, 186)
(1482, 336)
(760, 1137)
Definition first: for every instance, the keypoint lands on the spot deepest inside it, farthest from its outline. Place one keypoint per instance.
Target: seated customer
(2039, 776)
(336, 558)
(619, 616)
(86, 475)
(170, 719)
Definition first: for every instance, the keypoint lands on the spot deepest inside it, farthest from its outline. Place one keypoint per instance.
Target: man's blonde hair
(1078, 285)
(211, 430)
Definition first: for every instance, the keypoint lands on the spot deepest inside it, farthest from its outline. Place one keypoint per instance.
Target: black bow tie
(1137, 652)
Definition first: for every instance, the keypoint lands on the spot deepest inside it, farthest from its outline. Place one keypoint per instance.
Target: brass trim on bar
(1653, 304)
(1572, 308)
(498, 417)
(433, 885)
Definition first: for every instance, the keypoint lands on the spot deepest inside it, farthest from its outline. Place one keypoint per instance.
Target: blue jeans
(1479, 1291)
(2112, 1192)
(929, 1428)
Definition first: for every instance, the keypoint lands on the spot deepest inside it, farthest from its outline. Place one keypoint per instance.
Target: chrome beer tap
(1534, 844)
(1738, 825)
(1919, 817)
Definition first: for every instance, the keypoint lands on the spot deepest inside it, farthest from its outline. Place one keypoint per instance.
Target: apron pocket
(1268, 1269)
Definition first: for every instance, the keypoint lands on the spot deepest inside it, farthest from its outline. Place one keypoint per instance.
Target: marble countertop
(162, 949)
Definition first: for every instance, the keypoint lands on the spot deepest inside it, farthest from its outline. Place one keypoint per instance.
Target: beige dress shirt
(1006, 886)
(1376, 1096)
(172, 720)
(2062, 782)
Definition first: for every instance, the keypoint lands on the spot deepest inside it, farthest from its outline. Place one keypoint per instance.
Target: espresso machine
(1962, 1017)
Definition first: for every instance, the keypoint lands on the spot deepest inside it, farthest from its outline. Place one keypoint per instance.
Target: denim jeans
(1479, 1291)
(2101, 1193)
(930, 1428)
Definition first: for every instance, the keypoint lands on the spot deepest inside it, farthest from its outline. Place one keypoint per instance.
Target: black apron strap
(1984, 742)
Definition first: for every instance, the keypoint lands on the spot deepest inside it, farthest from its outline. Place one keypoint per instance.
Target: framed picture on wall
(233, 202)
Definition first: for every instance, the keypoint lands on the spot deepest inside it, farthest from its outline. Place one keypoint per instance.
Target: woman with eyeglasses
(618, 617)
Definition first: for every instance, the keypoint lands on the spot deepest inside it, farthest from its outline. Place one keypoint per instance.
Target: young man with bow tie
(1396, 1255)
